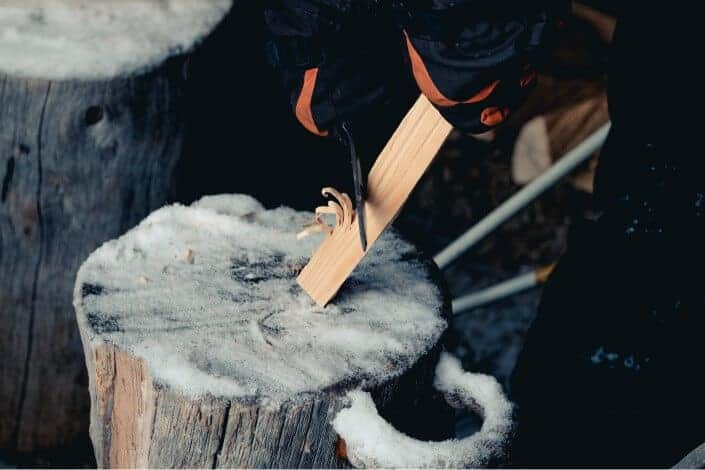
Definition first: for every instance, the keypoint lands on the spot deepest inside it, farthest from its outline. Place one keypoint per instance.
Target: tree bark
(80, 162)
(135, 423)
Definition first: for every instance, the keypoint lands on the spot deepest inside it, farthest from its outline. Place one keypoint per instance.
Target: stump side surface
(206, 296)
(99, 39)
(80, 163)
(137, 424)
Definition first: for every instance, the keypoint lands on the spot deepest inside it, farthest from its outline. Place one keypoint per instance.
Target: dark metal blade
(359, 202)
(358, 186)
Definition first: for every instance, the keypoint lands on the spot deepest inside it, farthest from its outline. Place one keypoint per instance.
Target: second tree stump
(91, 126)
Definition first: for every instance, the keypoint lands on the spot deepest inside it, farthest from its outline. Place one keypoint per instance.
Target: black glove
(473, 58)
(331, 56)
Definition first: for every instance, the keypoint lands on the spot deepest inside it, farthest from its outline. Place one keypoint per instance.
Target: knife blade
(358, 183)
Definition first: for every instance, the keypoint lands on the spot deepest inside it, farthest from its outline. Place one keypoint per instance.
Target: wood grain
(393, 176)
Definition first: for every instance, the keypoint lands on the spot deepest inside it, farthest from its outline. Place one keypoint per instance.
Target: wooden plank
(393, 176)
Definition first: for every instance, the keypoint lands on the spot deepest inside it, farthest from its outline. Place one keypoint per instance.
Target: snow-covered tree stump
(202, 350)
(91, 125)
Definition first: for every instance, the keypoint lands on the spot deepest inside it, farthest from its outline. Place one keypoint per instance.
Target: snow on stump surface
(202, 350)
(371, 442)
(99, 39)
(90, 133)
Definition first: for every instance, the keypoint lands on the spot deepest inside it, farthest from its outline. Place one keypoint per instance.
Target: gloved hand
(471, 58)
(331, 57)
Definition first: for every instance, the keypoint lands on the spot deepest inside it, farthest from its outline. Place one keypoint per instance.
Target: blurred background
(242, 138)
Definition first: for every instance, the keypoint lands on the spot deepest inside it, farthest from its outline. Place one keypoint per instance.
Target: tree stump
(91, 126)
(203, 351)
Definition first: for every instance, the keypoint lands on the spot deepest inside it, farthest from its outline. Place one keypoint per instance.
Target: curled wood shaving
(341, 207)
(331, 208)
(334, 208)
(343, 201)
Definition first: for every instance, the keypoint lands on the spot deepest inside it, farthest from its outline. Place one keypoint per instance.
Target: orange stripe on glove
(428, 88)
(303, 103)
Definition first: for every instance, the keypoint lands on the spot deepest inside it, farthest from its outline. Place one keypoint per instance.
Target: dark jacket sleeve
(473, 59)
(328, 67)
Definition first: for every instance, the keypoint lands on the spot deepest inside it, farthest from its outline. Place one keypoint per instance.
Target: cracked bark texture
(138, 423)
(80, 163)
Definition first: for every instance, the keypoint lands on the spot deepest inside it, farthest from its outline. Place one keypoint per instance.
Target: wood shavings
(343, 201)
(341, 207)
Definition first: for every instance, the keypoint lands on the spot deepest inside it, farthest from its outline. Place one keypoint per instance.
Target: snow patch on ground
(99, 39)
(371, 442)
(230, 320)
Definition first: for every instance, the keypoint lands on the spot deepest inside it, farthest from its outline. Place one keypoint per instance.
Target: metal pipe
(502, 290)
(522, 198)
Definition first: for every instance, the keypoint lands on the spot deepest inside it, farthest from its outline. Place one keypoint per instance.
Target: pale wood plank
(395, 173)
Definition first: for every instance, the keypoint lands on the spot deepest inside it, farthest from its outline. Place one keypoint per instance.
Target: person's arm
(474, 59)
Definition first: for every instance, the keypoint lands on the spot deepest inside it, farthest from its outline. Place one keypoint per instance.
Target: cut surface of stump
(203, 350)
(91, 130)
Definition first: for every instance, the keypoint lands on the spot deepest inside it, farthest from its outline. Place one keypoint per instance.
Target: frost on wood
(232, 321)
(99, 39)
(371, 442)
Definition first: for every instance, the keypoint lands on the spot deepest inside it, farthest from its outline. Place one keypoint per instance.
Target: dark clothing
(612, 374)
(613, 370)
(471, 58)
